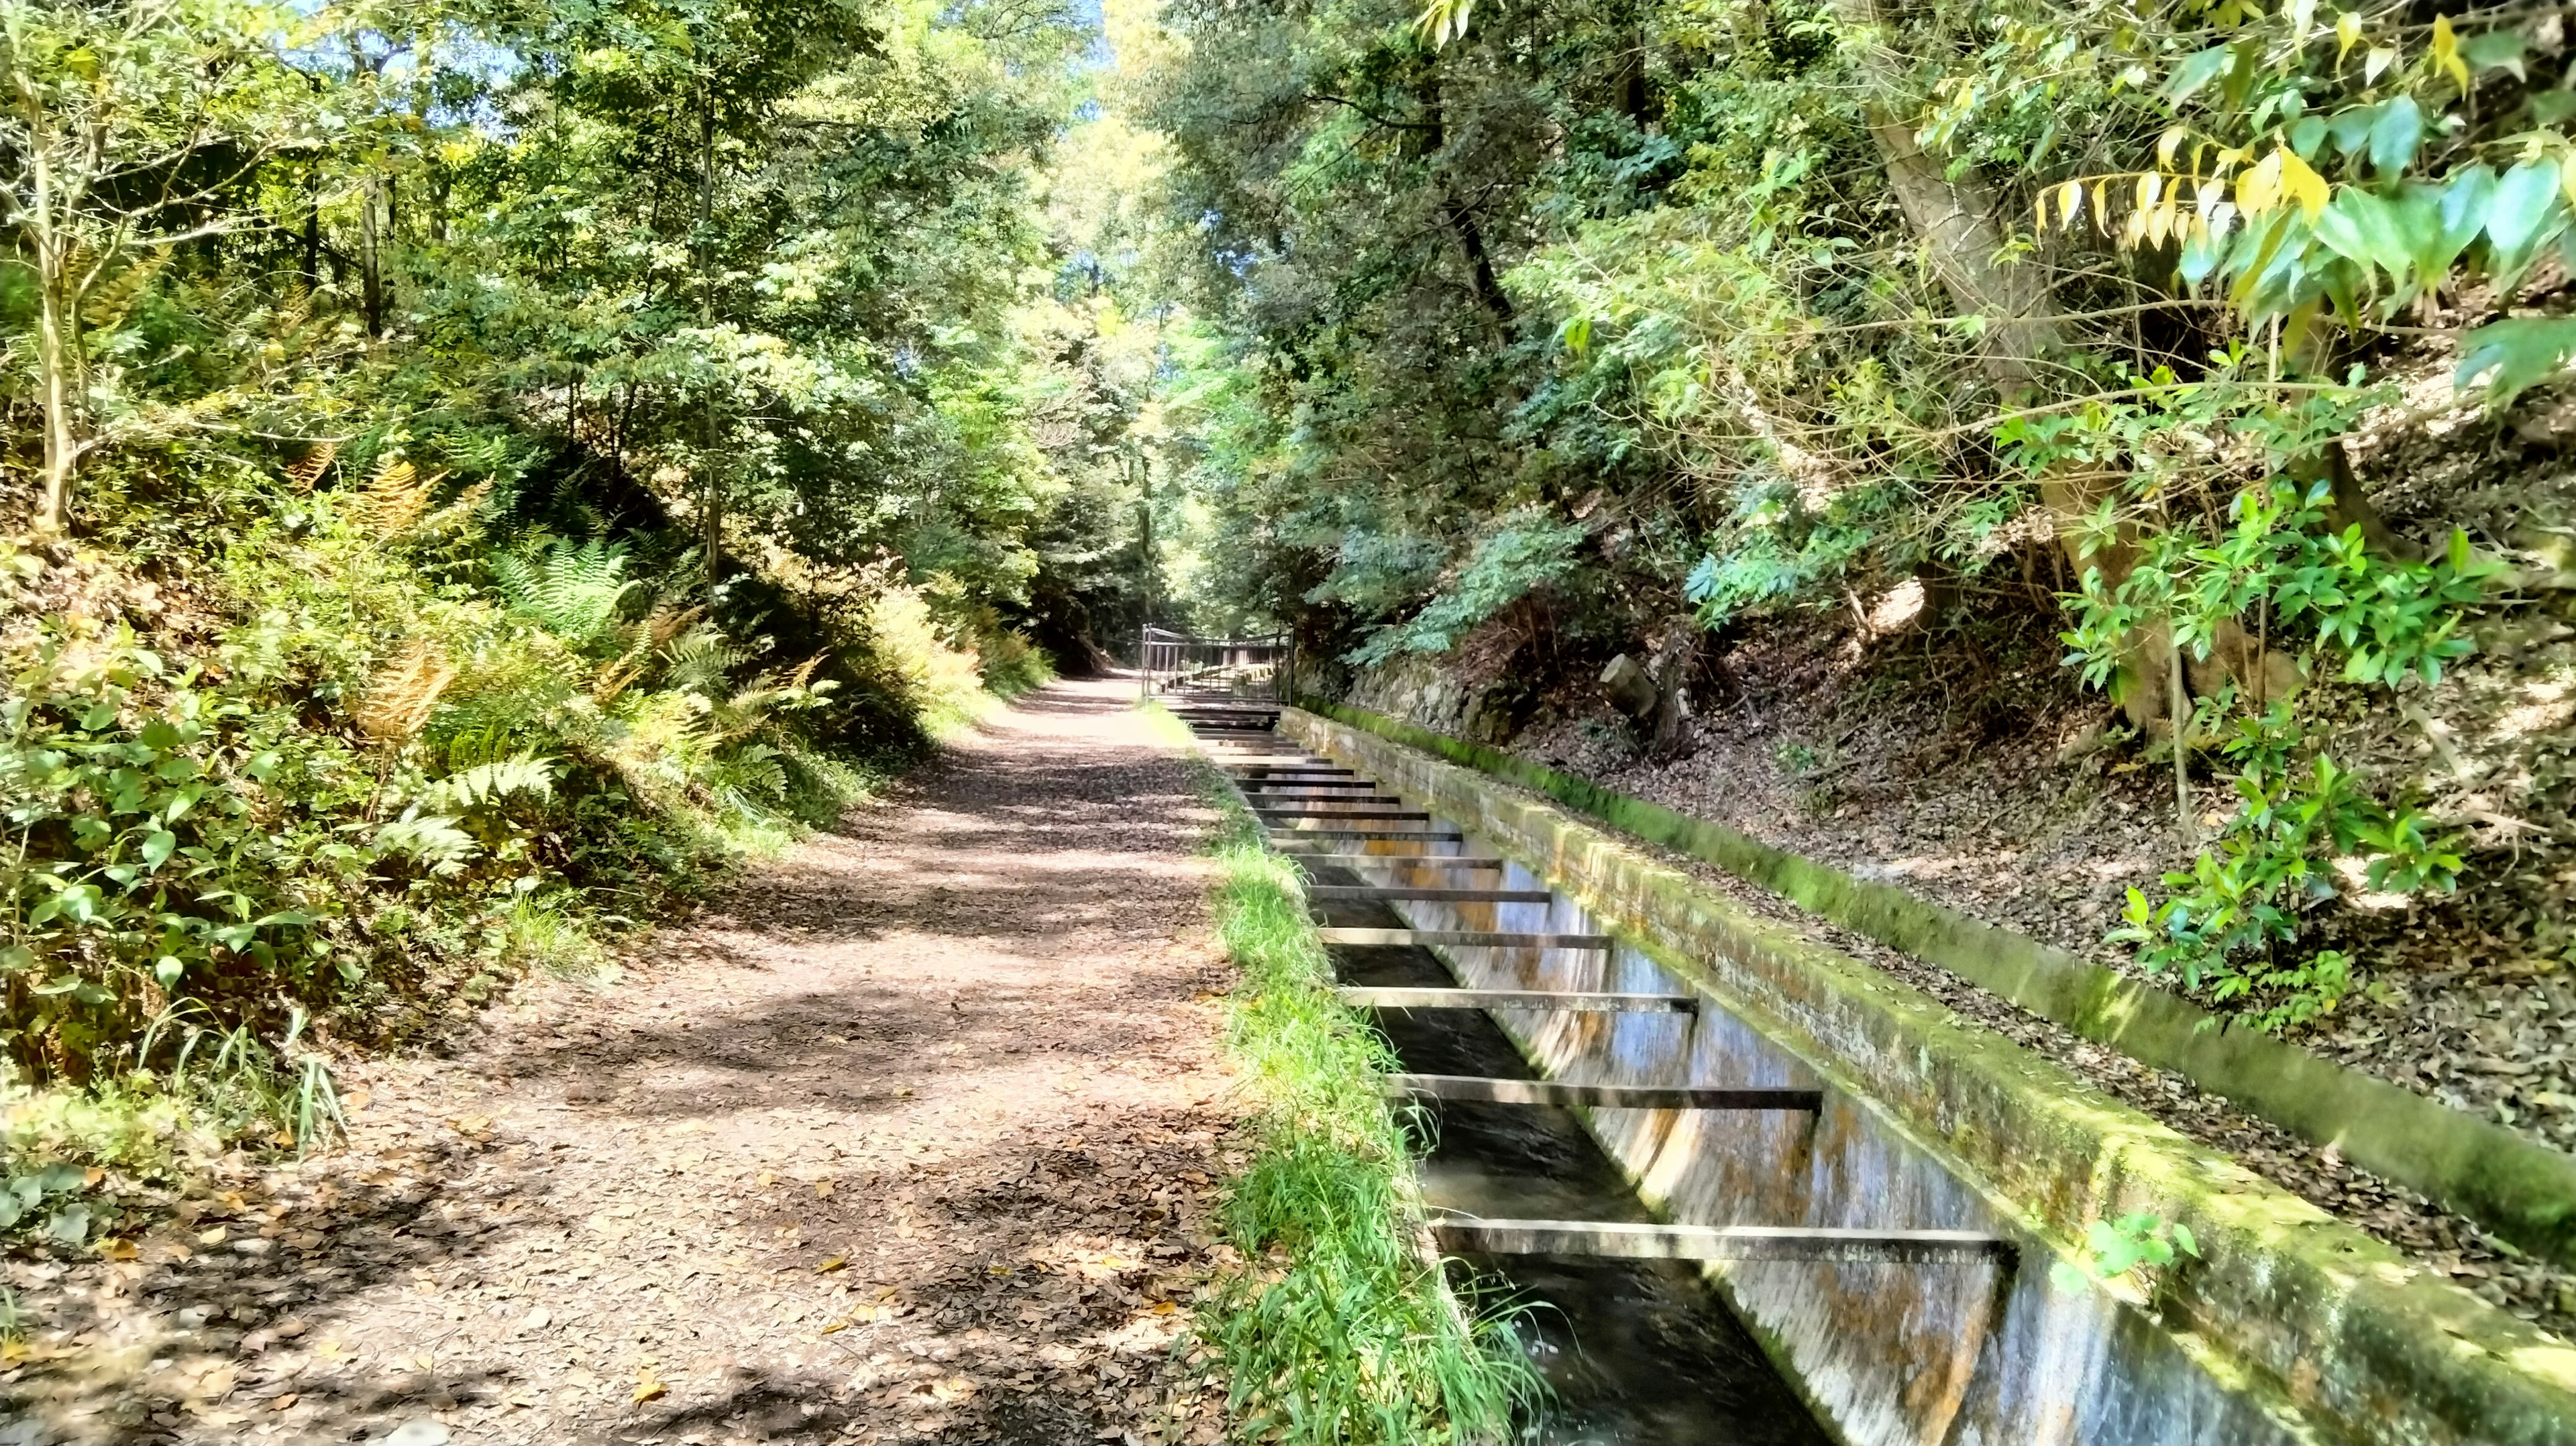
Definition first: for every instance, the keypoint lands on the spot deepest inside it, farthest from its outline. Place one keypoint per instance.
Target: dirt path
(912, 1140)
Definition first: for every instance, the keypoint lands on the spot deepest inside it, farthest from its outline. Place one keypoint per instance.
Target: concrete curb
(2521, 1190)
(2337, 1322)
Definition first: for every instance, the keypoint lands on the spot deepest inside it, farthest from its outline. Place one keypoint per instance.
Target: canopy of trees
(1630, 320)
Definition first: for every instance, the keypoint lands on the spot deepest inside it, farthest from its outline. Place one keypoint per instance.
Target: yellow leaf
(2133, 230)
(211, 1237)
(2150, 186)
(2347, 34)
(2167, 144)
(2162, 220)
(2102, 209)
(1164, 1307)
(833, 1264)
(646, 1387)
(119, 1250)
(2303, 185)
(2446, 52)
(822, 1189)
(2259, 189)
(2070, 198)
(2041, 214)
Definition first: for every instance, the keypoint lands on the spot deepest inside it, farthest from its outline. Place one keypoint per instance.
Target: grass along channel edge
(1341, 1328)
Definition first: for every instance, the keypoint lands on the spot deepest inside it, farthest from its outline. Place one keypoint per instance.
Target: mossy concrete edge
(2521, 1190)
(2377, 1349)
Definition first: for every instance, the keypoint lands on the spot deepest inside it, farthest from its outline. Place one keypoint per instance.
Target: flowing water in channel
(1640, 1353)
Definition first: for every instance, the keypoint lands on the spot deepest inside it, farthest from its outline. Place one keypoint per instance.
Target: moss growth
(2523, 1191)
(2301, 1303)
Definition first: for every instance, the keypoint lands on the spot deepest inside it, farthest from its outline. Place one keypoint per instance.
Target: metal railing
(1247, 668)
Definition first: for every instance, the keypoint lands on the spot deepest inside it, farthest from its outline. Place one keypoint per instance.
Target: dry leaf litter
(915, 1139)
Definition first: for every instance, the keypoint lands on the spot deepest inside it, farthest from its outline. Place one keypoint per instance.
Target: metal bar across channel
(1379, 997)
(1616, 1097)
(1461, 939)
(1718, 1242)
(1283, 833)
(1344, 861)
(1363, 813)
(1363, 893)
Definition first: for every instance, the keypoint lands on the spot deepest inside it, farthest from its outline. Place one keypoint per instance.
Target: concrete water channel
(1715, 1244)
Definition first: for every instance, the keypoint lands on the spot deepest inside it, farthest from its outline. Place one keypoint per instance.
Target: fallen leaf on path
(283, 1403)
(823, 1189)
(833, 1264)
(647, 1386)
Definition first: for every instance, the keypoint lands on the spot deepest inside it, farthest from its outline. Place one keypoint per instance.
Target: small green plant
(2225, 923)
(1796, 758)
(2115, 1248)
(2275, 583)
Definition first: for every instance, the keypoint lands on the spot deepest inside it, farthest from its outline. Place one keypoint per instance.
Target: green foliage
(1527, 552)
(2317, 597)
(2138, 1241)
(1786, 305)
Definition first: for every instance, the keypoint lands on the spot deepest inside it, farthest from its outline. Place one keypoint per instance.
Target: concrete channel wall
(2291, 1327)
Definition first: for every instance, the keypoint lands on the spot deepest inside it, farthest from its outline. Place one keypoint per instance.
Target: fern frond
(292, 312)
(485, 785)
(620, 674)
(573, 590)
(394, 498)
(459, 514)
(404, 691)
(109, 300)
(668, 621)
(308, 469)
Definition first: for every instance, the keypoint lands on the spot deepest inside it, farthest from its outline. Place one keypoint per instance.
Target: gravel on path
(915, 1137)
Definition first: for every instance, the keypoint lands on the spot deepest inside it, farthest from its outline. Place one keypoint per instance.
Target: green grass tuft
(1339, 1330)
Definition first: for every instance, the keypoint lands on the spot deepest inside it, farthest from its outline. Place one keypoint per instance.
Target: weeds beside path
(916, 1137)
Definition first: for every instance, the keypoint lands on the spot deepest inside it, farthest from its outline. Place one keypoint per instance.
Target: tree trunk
(1427, 143)
(371, 280)
(1955, 220)
(56, 339)
(715, 499)
(312, 271)
(57, 336)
